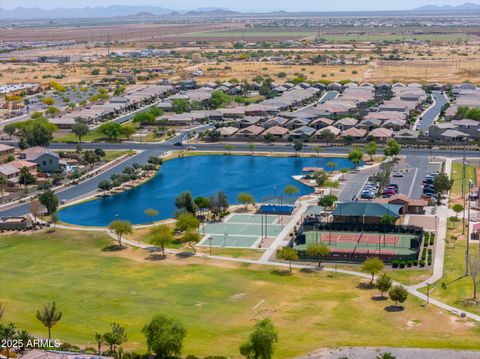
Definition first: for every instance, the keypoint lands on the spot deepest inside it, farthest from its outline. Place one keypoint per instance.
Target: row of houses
(133, 98)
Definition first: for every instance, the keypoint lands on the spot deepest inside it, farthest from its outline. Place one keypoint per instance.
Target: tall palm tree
(49, 316)
(3, 182)
(99, 340)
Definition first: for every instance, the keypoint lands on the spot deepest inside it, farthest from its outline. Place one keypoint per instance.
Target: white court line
(413, 182)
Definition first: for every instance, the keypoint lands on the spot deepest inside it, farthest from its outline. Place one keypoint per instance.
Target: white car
(397, 174)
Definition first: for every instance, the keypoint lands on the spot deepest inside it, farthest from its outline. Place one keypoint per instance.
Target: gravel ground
(398, 353)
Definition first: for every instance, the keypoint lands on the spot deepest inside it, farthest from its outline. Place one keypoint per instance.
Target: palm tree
(99, 340)
(3, 182)
(9, 333)
(49, 316)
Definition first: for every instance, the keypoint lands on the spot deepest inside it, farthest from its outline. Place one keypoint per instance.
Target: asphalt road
(431, 114)
(85, 187)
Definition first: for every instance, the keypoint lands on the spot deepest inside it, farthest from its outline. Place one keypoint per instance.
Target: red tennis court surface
(360, 237)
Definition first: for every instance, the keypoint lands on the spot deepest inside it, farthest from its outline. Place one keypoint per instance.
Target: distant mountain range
(104, 12)
(462, 7)
(112, 11)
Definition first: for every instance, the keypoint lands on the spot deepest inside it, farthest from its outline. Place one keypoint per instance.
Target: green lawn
(310, 310)
(457, 289)
(112, 155)
(92, 136)
(457, 173)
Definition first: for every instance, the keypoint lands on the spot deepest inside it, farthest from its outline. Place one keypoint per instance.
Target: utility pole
(463, 187)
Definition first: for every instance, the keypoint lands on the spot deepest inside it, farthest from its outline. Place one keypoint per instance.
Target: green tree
(3, 183)
(398, 294)
(49, 101)
(54, 219)
(49, 199)
(151, 213)
(318, 251)
(202, 202)
(288, 254)
(290, 190)
(191, 236)
(145, 118)
(128, 130)
(457, 208)
(327, 201)
(115, 337)
(297, 146)
(371, 149)
(261, 342)
(26, 177)
(186, 221)
(185, 202)
(49, 316)
(245, 199)
(120, 228)
(383, 283)
(164, 336)
(355, 156)
(373, 266)
(80, 129)
(7, 333)
(327, 135)
(229, 148)
(442, 184)
(105, 185)
(392, 148)
(99, 340)
(161, 236)
(385, 355)
(111, 130)
(220, 99)
(180, 105)
(10, 129)
(331, 166)
(252, 147)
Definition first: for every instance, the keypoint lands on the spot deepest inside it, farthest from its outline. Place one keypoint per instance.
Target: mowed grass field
(214, 300)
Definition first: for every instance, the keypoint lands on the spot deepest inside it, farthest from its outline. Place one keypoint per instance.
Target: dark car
(178, 144)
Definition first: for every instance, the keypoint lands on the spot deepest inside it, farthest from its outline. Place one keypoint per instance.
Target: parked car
(397, 174)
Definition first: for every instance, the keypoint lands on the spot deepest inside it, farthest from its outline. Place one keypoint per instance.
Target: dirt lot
(436, 63)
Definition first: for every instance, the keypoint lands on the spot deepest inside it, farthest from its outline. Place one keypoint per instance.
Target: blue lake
(202, 176)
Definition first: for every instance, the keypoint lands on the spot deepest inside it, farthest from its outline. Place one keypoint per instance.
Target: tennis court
(240, 231)
(373, 243)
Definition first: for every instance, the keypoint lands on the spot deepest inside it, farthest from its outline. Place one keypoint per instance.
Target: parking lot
(414, 169)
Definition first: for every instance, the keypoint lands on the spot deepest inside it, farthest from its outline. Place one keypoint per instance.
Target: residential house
(369, 124)
(395, 124)
(381, 134)
(250, 131)
(406, 134)
(454, 136)
(320, 123)
(320, 134)
(46, 160)
(276, 132)
(10, 173)
(355, 133)
(228, 131)
(345, 123)
(276, 121)
(303, 133)
(6, 151)
(298, 122)
(470, 127)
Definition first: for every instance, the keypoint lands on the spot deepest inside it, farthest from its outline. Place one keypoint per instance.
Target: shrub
(421, 263)
(402, 264)
(395, 263)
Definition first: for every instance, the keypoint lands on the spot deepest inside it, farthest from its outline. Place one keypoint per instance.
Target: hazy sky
(253, 5)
